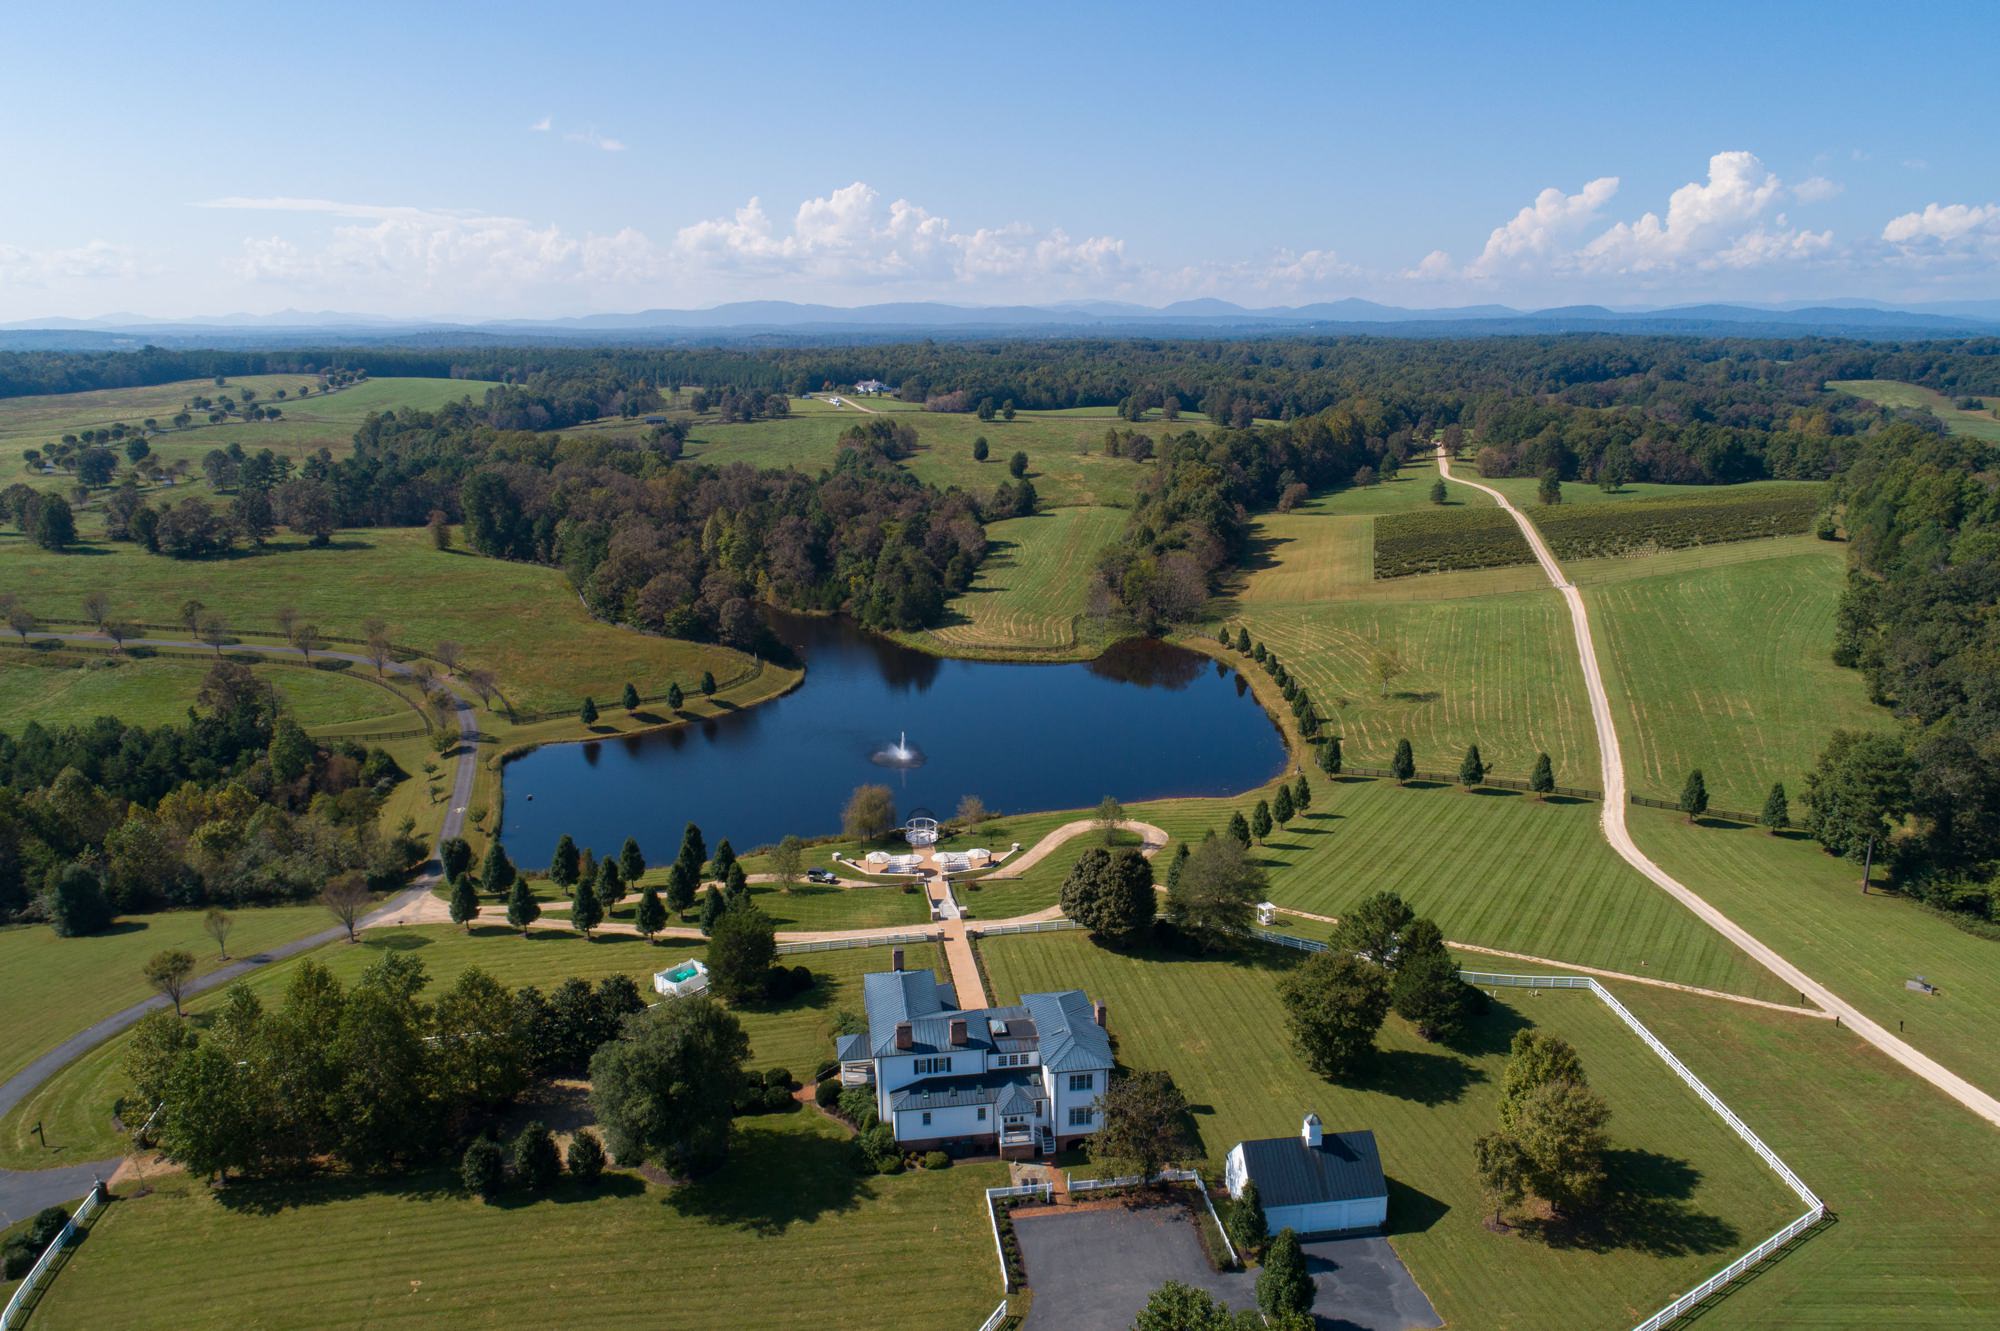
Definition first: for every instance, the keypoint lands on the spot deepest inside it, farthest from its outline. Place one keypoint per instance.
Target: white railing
(839, 944)
(994, 1318)
(1164, 1176)
(1289, 940)
(1043, 1190)
(1815, 1209)
(45, 1266)
(1031, 927)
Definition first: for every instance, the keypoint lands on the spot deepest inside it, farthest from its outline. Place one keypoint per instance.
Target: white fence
(1289, 940)
(994, 1318)
(1042, 1190)
(840, 944)
(45, 1266)
(1076, 1185)
(1815, 1209)
(1031, 927)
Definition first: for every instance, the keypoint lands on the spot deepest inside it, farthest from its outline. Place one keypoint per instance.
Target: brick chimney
(896, 959)
(905, 1038)
(957, 1031)
(1097, 1013)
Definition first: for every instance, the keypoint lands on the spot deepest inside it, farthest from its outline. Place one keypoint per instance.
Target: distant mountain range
(780, 321)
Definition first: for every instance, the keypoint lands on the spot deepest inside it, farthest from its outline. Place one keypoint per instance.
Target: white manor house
(1017, 1081)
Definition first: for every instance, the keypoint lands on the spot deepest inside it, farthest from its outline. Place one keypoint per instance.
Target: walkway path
(1155, 840)
(1615, 832)
(22, 1192)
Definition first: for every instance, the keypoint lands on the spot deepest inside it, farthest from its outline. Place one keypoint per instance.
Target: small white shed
(1314, 1183)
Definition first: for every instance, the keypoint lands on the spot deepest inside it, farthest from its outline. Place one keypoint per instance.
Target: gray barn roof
(1287, 1172)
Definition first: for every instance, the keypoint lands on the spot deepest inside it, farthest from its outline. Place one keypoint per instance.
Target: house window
(982, 1113)
(925, 1067)
(1079, 1117)
(927, 1118)
(1039, 1109)
(1082, 1081)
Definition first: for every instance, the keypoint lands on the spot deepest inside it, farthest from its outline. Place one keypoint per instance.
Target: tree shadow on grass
(1495, 792)
(1419, 1075)
(567, 1190)
(1646, 1210)
(774, 1180)
(1489, 1032)
(399, 940)
(269, 1197)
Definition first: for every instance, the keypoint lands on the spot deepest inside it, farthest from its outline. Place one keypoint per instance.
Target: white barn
(1314, 1183)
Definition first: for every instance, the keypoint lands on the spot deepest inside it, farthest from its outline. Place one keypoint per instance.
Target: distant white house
(1021, 1080)
(871, 386)
(1314, 1183)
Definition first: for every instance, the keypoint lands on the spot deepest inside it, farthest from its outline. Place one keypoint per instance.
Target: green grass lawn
(1499, 671)
(51, 988)
(521, 620)
(1890, 393)
(1728, 669)
(1029, 596)
(159, 690)
(1910, 1175)
(1522, 491)
(1700, 1195)
(785, 1234)
(1808, 905)
(75, 1105)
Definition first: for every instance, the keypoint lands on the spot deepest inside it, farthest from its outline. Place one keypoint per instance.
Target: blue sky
(508, 160)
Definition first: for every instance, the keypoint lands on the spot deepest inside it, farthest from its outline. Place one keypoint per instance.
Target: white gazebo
(921, 830)
(690, 977)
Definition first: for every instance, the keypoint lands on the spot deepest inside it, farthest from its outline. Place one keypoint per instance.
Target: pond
(1146, 720)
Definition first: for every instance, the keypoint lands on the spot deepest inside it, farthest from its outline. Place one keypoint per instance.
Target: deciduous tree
(345, 897)
(666, 1090)
(169, 973)
(1142, 1124)
(741, 948)
(1216, 897)
(1334, 1005)
(870, 813)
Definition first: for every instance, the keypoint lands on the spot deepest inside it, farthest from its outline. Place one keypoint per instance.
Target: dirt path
(1154, 837)
(1615, 832)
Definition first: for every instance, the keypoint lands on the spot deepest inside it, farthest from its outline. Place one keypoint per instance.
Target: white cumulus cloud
(93, 259)
(1545, 228)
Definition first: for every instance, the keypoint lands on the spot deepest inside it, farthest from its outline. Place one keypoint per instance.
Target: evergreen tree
(680, 888)
(589, 712)
(713, 905)
(723, 861)
(1426, 990)
(1438, 491)
(631, 698)
(675, 697)
(1543, 779)
(610, 885)
(1329, 756)
(1404, 764)
(522, 908)
(1260, 821)
(1239, 828)
(741, 948)
(1472, 768)
(694, 850)
(455, 854)
(1281, 806)
(1777, 815)
(562, 866)
(1246, 1221)
(979, 449)
(708, 684)
(1283, 1285)
(1176, 865)
(630, 862)
(1302, 794)
(1550, 491)
(738, 884)
(464, 902)
(1694, 795)
(651, 916)
(586, 867)
(1243, 640)
(586, 1157)
(1373, 929)
(496, 872)
(586, 912)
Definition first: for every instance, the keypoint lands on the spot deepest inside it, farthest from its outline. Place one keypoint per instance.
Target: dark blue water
(1145, 721)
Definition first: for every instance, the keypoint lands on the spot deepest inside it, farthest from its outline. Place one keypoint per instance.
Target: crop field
(1728, 669)
(1589, 531)
(1523, 491)
(1980, 424)
(69, 689)
(1808, 906)
(1215, 1024)
(520, 620)
(1437, 540)
(1909, 1174)
(1029, 596)
(786, 1234)
(74, 1106)
(57, 986)
(1499, 671)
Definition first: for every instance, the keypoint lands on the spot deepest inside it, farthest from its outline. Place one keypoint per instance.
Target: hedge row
(1435, 540)
(1592, 531)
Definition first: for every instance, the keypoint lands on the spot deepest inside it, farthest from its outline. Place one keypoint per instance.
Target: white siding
(1328, 1217)
(962, 1121)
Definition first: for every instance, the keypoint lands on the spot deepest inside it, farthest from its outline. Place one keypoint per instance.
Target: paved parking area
(1096, 1269)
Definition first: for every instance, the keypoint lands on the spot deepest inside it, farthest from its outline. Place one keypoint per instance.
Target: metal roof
(1344, 1167)
(956, 1092)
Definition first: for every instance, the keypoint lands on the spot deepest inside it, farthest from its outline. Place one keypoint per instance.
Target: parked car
(821, 876)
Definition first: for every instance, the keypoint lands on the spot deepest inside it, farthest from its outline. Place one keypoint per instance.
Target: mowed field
(1727, 668)
(1808, 905)
(75, 1105)
(786, 1234)
(305, 425)
(1029, 596)
(1890, 393)
(1910, 1175)
(1216, 1025)
(140, 691)
(522, 621)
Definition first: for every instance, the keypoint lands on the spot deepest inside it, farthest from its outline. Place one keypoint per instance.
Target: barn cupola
(1309, 1132)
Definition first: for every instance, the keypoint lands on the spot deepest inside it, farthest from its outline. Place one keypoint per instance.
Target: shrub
(778, 1099)
(857, 1106)
(830, 1068)
(586, 1157)
(535, 1161)
(937, 1160)
(827, 1094)
(878, 1150)
(482, 1170)
(779, 1077)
